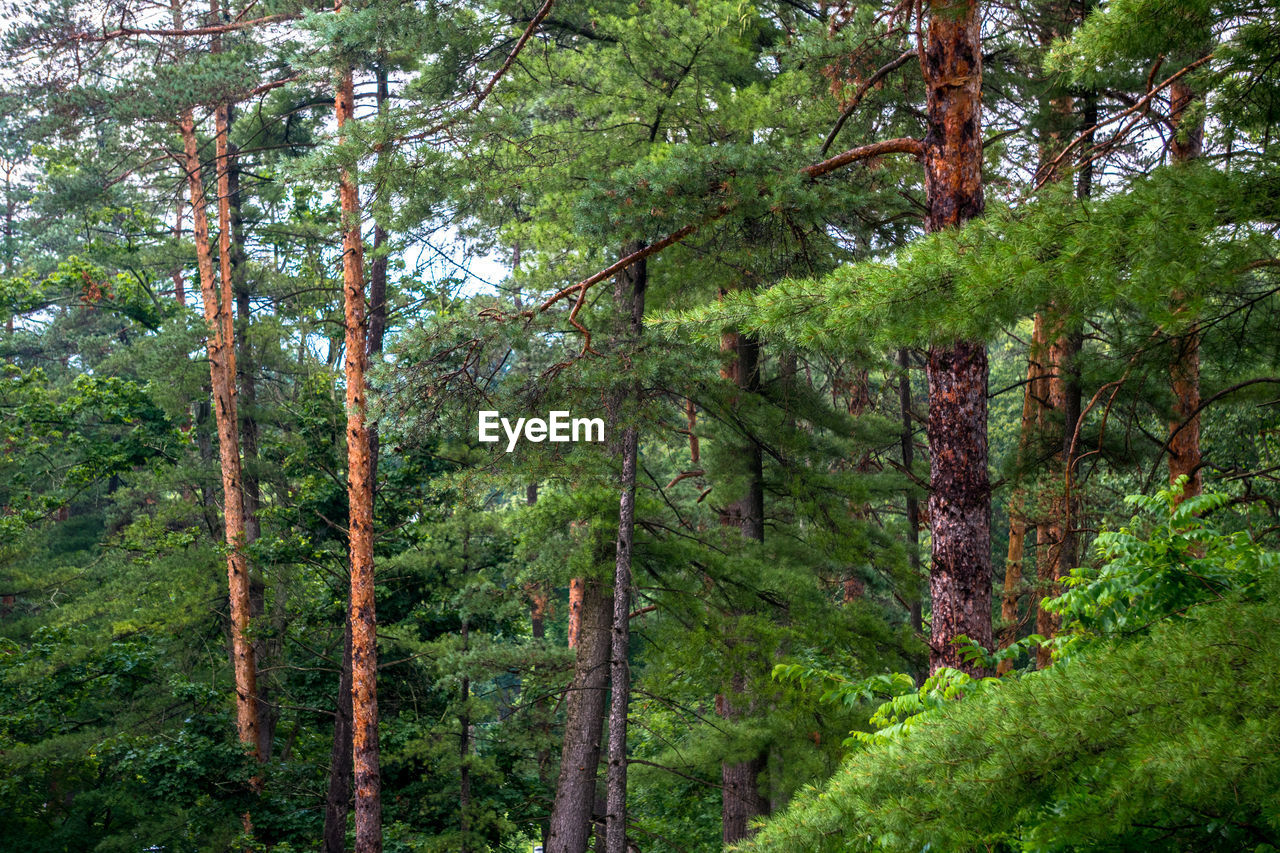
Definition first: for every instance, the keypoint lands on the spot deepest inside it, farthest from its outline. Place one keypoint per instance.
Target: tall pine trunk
(364, 648)
(338, 796)
(222, 372)
(378, 275)
(629, 292)
(1184, 374)
(232, 259)
(741, 798)
(960, 503)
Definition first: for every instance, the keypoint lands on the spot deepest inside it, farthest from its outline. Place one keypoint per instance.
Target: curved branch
(903, 145)
(1049, 168)
(848, 111)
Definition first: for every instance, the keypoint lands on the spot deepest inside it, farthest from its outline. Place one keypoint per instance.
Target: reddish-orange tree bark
(960, 502)
(222, 372)
(364, 648)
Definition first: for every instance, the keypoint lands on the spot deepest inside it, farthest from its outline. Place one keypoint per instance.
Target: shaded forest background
(938, 346)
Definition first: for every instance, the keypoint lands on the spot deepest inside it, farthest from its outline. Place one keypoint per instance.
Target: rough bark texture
(222, 371)
(741, 798)
(364, 649)
(584, 721)
(960, 503)
(629, 293)
(339, 795)
(953, 144)
(1184, 374)
(960, 506)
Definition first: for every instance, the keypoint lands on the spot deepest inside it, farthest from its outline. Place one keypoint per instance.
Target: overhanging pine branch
(903, 145)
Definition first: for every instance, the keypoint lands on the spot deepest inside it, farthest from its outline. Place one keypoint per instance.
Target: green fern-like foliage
(1152, 731)
(1169, 558)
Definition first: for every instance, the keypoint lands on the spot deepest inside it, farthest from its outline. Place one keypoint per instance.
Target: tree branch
(848, 111)
(1050, 167)
(216, 29)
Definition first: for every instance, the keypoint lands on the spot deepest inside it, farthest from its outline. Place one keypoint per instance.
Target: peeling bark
(575, 799)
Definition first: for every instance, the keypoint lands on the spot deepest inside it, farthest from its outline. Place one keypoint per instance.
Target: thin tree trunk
(857, 400)
(338, 799)
(1061, 395)
(464, 753)
(339, 795)
(912, 504)
(584, 722)
(231, 258)
(364, 648)
(222, 371)
(1056, 556)
(1184, 374)
(1033, 396)
(960, 503)
(378, 281)
(179, 285)
(629, 292)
